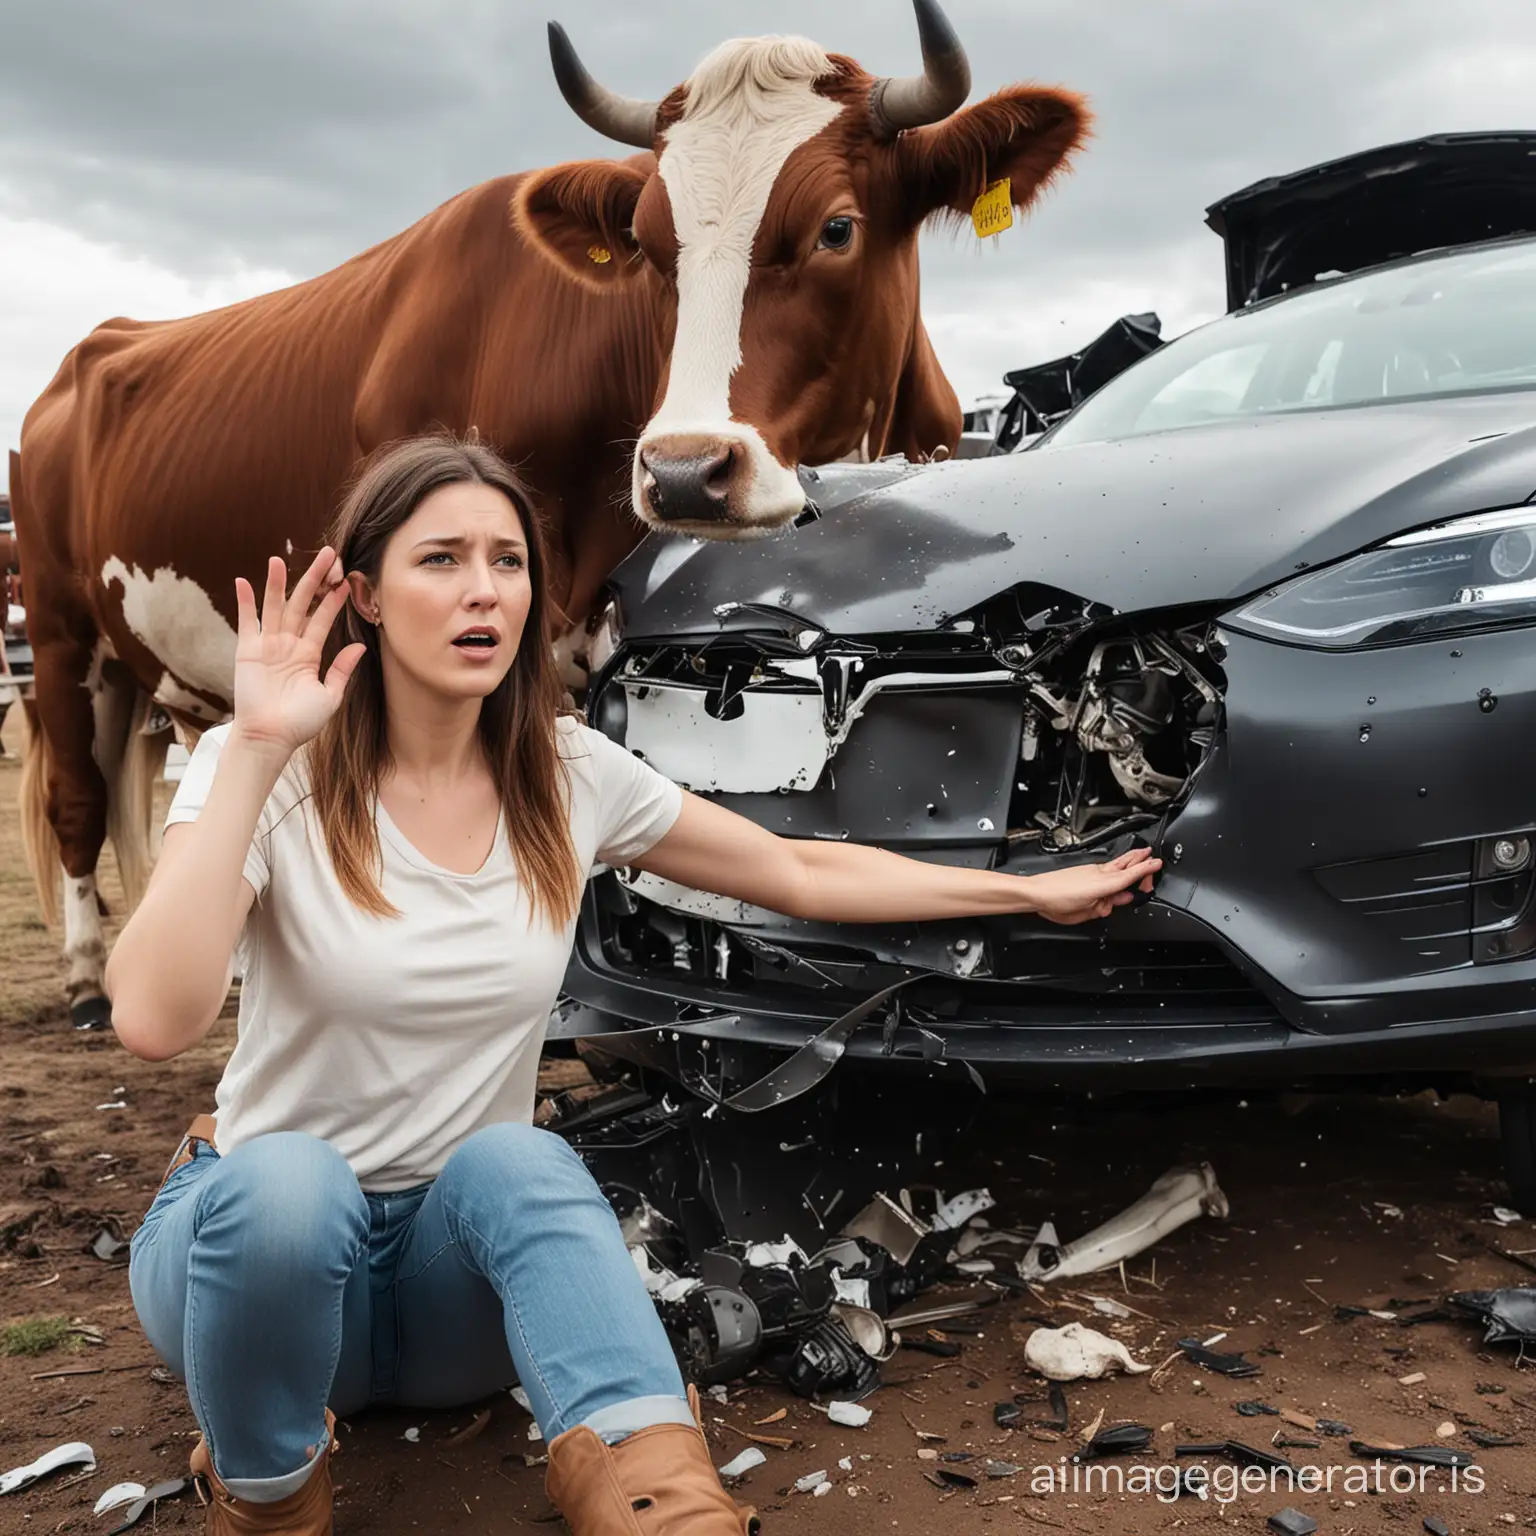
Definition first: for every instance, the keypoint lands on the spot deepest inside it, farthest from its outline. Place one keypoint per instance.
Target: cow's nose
(689, 479)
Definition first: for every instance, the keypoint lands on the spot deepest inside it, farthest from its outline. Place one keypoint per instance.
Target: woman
(396, 851)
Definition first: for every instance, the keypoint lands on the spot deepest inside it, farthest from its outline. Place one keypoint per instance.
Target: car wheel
(1517, 1126)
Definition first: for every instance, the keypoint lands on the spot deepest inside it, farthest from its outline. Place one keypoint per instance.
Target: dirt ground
(1334, 1200)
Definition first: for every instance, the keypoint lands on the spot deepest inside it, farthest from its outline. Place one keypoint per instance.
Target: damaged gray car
(1266, 602)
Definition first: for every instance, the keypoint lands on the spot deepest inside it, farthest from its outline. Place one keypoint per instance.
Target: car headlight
(1474, 573)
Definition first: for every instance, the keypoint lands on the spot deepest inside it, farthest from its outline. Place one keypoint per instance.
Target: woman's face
(453, 592)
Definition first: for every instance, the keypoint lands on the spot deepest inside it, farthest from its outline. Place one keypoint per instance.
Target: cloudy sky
(171, 155)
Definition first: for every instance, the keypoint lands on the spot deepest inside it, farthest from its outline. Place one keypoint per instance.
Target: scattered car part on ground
(1425, 1455)
(1119, 1440)
(1177, 1197)
(1236, 1366)
(1509, 1314)
(1291, 1522)
(76, 1453)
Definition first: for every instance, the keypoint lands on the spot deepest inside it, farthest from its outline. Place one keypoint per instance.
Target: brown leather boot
(305, 1513)
(659, 1481)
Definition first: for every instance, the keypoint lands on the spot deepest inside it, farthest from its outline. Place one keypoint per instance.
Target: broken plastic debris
(1121, 1440)
(809, 1481)
(148, 1500)
(534, 1432)
(1177, 1197)
(957, 1212)
(520, 1397)
(1253, 1408)
(1003, 1469)
(1224, 1365)
(1076, 1353)
(1237, 1451)
(107, 1244)
(740, 1465)
(1505, 1216)
(1291, 1522)
(884, 1222)
(120, 1493)
(845, 1464)
(759, 1255)
(820, 1489)
(76, 1453)
(852, 1415)
(413, 1435)
(1509, 1313)
(1426, 1455)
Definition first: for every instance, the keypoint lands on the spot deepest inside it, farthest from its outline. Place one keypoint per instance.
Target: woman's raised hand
(280, 699)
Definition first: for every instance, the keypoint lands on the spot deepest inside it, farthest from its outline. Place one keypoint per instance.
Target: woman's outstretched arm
(711, 849)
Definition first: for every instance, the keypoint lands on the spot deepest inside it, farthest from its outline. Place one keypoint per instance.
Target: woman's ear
(362, 596)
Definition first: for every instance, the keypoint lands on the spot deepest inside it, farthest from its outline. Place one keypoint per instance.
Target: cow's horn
(943, 85)
(619, 117)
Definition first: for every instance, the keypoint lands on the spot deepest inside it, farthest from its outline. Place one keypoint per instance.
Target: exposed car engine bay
(1082, 728)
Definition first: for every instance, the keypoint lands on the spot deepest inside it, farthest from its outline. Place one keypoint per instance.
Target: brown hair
(349, 757)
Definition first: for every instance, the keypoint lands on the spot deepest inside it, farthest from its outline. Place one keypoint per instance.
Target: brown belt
(201, 1130)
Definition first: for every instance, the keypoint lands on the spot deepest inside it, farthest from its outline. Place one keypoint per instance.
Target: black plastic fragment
(1426, 1455)
(1007, 1415)
(1120, 1440)
(1487, 1441)
(1335, 1427)
(1243, 1455)
(955, 1479)
(1296, 1443)
(945, 1349)
(1343, 1312)
(1433, 1315)
(1436, 1526)
(1224, 1365)
(1291, 1522)
(1251, 1409)
(1509, 1313)
(1061, 1417)
(1192, 1482)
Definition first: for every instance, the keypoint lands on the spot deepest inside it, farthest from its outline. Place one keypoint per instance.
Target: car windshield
(1448, 325)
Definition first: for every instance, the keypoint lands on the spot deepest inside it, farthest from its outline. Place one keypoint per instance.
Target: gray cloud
(292, 133)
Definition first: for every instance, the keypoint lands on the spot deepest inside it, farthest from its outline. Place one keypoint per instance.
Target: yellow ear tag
(992, 212)
(600, 254)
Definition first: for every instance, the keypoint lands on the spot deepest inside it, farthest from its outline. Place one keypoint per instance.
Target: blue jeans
(275, 1287)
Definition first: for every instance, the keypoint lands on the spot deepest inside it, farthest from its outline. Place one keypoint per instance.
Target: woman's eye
(836, 234)
(513, 562)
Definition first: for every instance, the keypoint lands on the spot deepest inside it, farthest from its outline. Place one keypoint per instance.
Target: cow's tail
(131, 798)
(39, 846)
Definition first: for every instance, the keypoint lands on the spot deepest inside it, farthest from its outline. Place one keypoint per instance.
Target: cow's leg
(68, 681)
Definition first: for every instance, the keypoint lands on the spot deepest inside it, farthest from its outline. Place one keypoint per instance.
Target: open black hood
(1204, 514)
(1445, 190)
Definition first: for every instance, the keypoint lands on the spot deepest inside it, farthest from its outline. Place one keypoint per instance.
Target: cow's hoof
(91, 1013)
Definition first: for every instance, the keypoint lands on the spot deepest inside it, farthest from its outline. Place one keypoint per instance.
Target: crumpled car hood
(1202, 514)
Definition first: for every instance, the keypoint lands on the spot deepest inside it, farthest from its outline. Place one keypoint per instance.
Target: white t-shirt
(396, 1038)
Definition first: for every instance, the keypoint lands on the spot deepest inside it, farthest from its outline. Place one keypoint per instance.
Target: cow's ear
(579, 216)
(1025, 133)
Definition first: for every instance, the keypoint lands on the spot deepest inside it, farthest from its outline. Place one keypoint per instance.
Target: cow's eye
(836, 234)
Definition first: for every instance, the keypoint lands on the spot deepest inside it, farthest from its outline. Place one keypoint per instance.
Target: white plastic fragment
(820, 1489)
(719, 1393)
(739, 1466)
(74, 1453)
(1109, 1307)
(760, 1255)
(854, 1292)
(413, 1435)
(1076, 1353)
(119, 1493)
(846, 1464)
(1505, 1216)
(809, 1481)
(520, 1397)
(853, 1415)
(535, 1433)
(955, 1213)
(1177, 1197)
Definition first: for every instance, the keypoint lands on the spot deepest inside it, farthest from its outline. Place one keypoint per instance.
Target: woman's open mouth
(481, 641)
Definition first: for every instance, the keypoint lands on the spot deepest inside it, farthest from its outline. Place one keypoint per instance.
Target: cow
(694, 322)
